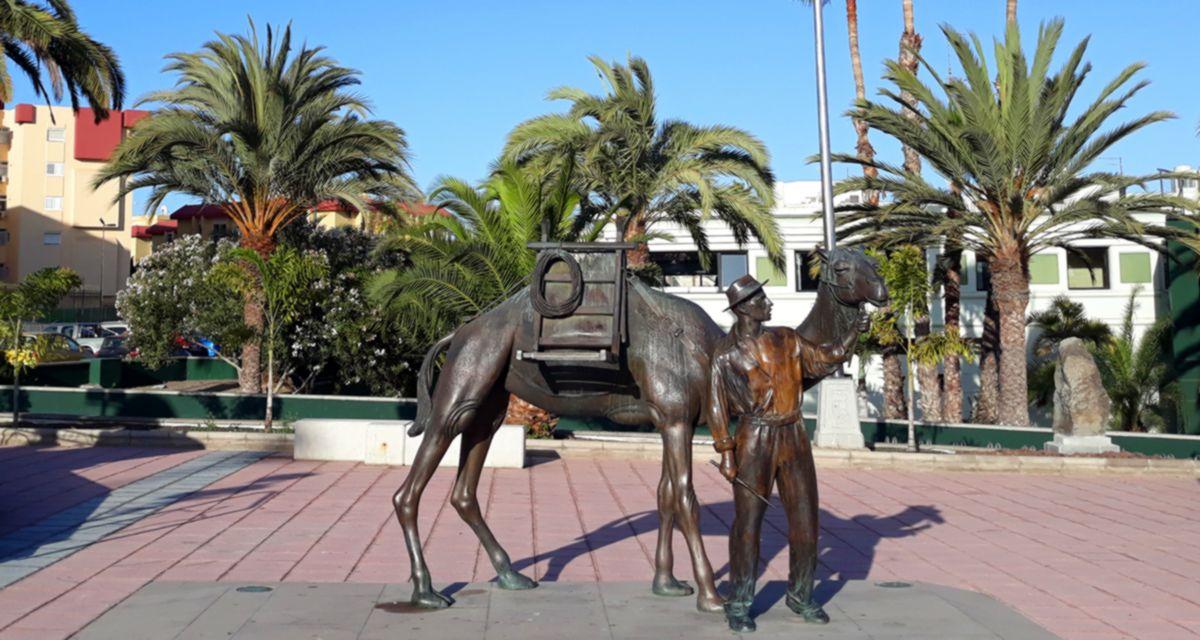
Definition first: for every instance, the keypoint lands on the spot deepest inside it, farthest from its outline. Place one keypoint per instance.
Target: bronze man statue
(758, 376)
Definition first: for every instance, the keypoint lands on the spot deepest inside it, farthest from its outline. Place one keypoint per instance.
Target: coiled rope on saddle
(537, 292)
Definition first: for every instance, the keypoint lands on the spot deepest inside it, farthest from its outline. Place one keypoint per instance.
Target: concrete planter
(387, 442)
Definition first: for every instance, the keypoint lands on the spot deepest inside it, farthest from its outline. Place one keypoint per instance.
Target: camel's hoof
(514, 581)
(671, 588)
(430, 600)
(710, 604)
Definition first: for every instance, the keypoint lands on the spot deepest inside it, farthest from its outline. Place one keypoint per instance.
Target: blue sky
(458, 75)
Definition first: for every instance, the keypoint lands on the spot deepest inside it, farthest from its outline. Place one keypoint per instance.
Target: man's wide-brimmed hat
(742, 290)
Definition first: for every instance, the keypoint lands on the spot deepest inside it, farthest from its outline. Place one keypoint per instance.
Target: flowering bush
(171, 296)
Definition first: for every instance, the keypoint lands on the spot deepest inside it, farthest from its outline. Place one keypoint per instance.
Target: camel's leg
(678, 439)
(476, 441)
(665, 583)
(406, 500)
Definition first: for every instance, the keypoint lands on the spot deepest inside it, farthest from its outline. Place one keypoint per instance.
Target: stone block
(1069, 444)
(319, 439)
(837, 415)
(507, 449)
(385, 442)
(1081, 404)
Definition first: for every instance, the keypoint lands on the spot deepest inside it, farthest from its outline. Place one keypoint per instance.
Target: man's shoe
(738, 616)
(810, 611)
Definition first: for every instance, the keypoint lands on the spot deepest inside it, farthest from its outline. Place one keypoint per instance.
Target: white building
(1118, 268)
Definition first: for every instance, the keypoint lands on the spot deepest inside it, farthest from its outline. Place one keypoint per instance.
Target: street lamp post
(837, 398)
(823, 129)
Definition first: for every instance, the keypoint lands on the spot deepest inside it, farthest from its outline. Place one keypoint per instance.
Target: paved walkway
(1085, 557)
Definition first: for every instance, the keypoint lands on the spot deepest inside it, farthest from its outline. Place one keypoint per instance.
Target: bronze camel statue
(662, 378)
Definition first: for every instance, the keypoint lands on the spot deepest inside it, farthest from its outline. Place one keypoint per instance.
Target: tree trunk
(988, 399)
(952, 395)
(894, 406)
(863, 147)
(910, 45)
(1010, 284)
(250, 376)
(927, 378)
(1011, 12)
(636, 228)
(268, 418)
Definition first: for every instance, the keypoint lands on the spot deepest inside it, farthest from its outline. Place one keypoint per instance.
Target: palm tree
(637, 171)
(45, 37)
(1016, 154)
(1063, 319)
(1137, 374)
(472, 255)
(267, 132)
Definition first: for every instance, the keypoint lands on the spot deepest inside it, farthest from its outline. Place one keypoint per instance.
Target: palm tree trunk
(908, 377)
(910, 45)
(927, 378)
(894, 406)
(268, 419)
(952, 396)
(636, 229)
(1011, 12)
(524, 413)
(250, 376)
(988, 399)
(863, 147)
(1010, 284)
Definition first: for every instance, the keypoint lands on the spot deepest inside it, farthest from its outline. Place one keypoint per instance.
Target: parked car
(117, 327)
(113, 347)
(87, 334)
(60, 348)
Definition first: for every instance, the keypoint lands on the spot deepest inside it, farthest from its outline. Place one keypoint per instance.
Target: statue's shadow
(846, 549)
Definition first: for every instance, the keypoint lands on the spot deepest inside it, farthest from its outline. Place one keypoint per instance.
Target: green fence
(965, 435)
(114, 373)
(123, 403)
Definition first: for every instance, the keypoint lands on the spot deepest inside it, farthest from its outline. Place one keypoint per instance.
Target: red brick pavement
(1086, 557)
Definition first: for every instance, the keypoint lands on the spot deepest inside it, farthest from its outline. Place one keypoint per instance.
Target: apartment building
(49, 214)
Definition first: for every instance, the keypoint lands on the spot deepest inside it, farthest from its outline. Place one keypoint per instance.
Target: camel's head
(853, 276)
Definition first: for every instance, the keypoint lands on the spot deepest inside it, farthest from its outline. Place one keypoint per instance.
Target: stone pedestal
(1068, 445)
(837, 415)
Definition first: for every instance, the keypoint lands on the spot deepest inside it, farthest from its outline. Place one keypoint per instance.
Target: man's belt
(772, 420)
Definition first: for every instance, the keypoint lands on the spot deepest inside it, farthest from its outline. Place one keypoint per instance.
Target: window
(54, 203)
(1135, 268)
(55, 169)
(1043, 269)
(983, 275)
(805, 281)
(731, 266)
(49, 238)
(1087, 268)
(219, 230)
(767, 272)
(683, 269)
(3, 237)
(56, 135)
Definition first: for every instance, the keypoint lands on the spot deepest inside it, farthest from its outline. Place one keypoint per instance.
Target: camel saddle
(578, 294)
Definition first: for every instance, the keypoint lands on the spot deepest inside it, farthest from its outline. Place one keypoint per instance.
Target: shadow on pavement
(846, 548)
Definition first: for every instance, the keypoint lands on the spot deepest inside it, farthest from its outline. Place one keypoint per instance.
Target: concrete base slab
(1067, 445)
(388, 442)
(581, 611)
(837, 415)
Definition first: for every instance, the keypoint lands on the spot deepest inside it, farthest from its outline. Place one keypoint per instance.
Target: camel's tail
(425, 386)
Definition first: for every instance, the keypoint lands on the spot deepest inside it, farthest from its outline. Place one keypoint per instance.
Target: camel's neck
(830, 321)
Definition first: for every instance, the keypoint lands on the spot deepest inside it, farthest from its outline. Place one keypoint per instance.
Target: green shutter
(764, 270)
(1043, 269)
(1135, 268)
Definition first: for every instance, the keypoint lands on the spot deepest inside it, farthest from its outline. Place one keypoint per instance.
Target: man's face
(758, 307)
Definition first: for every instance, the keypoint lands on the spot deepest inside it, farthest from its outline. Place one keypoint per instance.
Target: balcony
(6, 137)
(3, 172)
